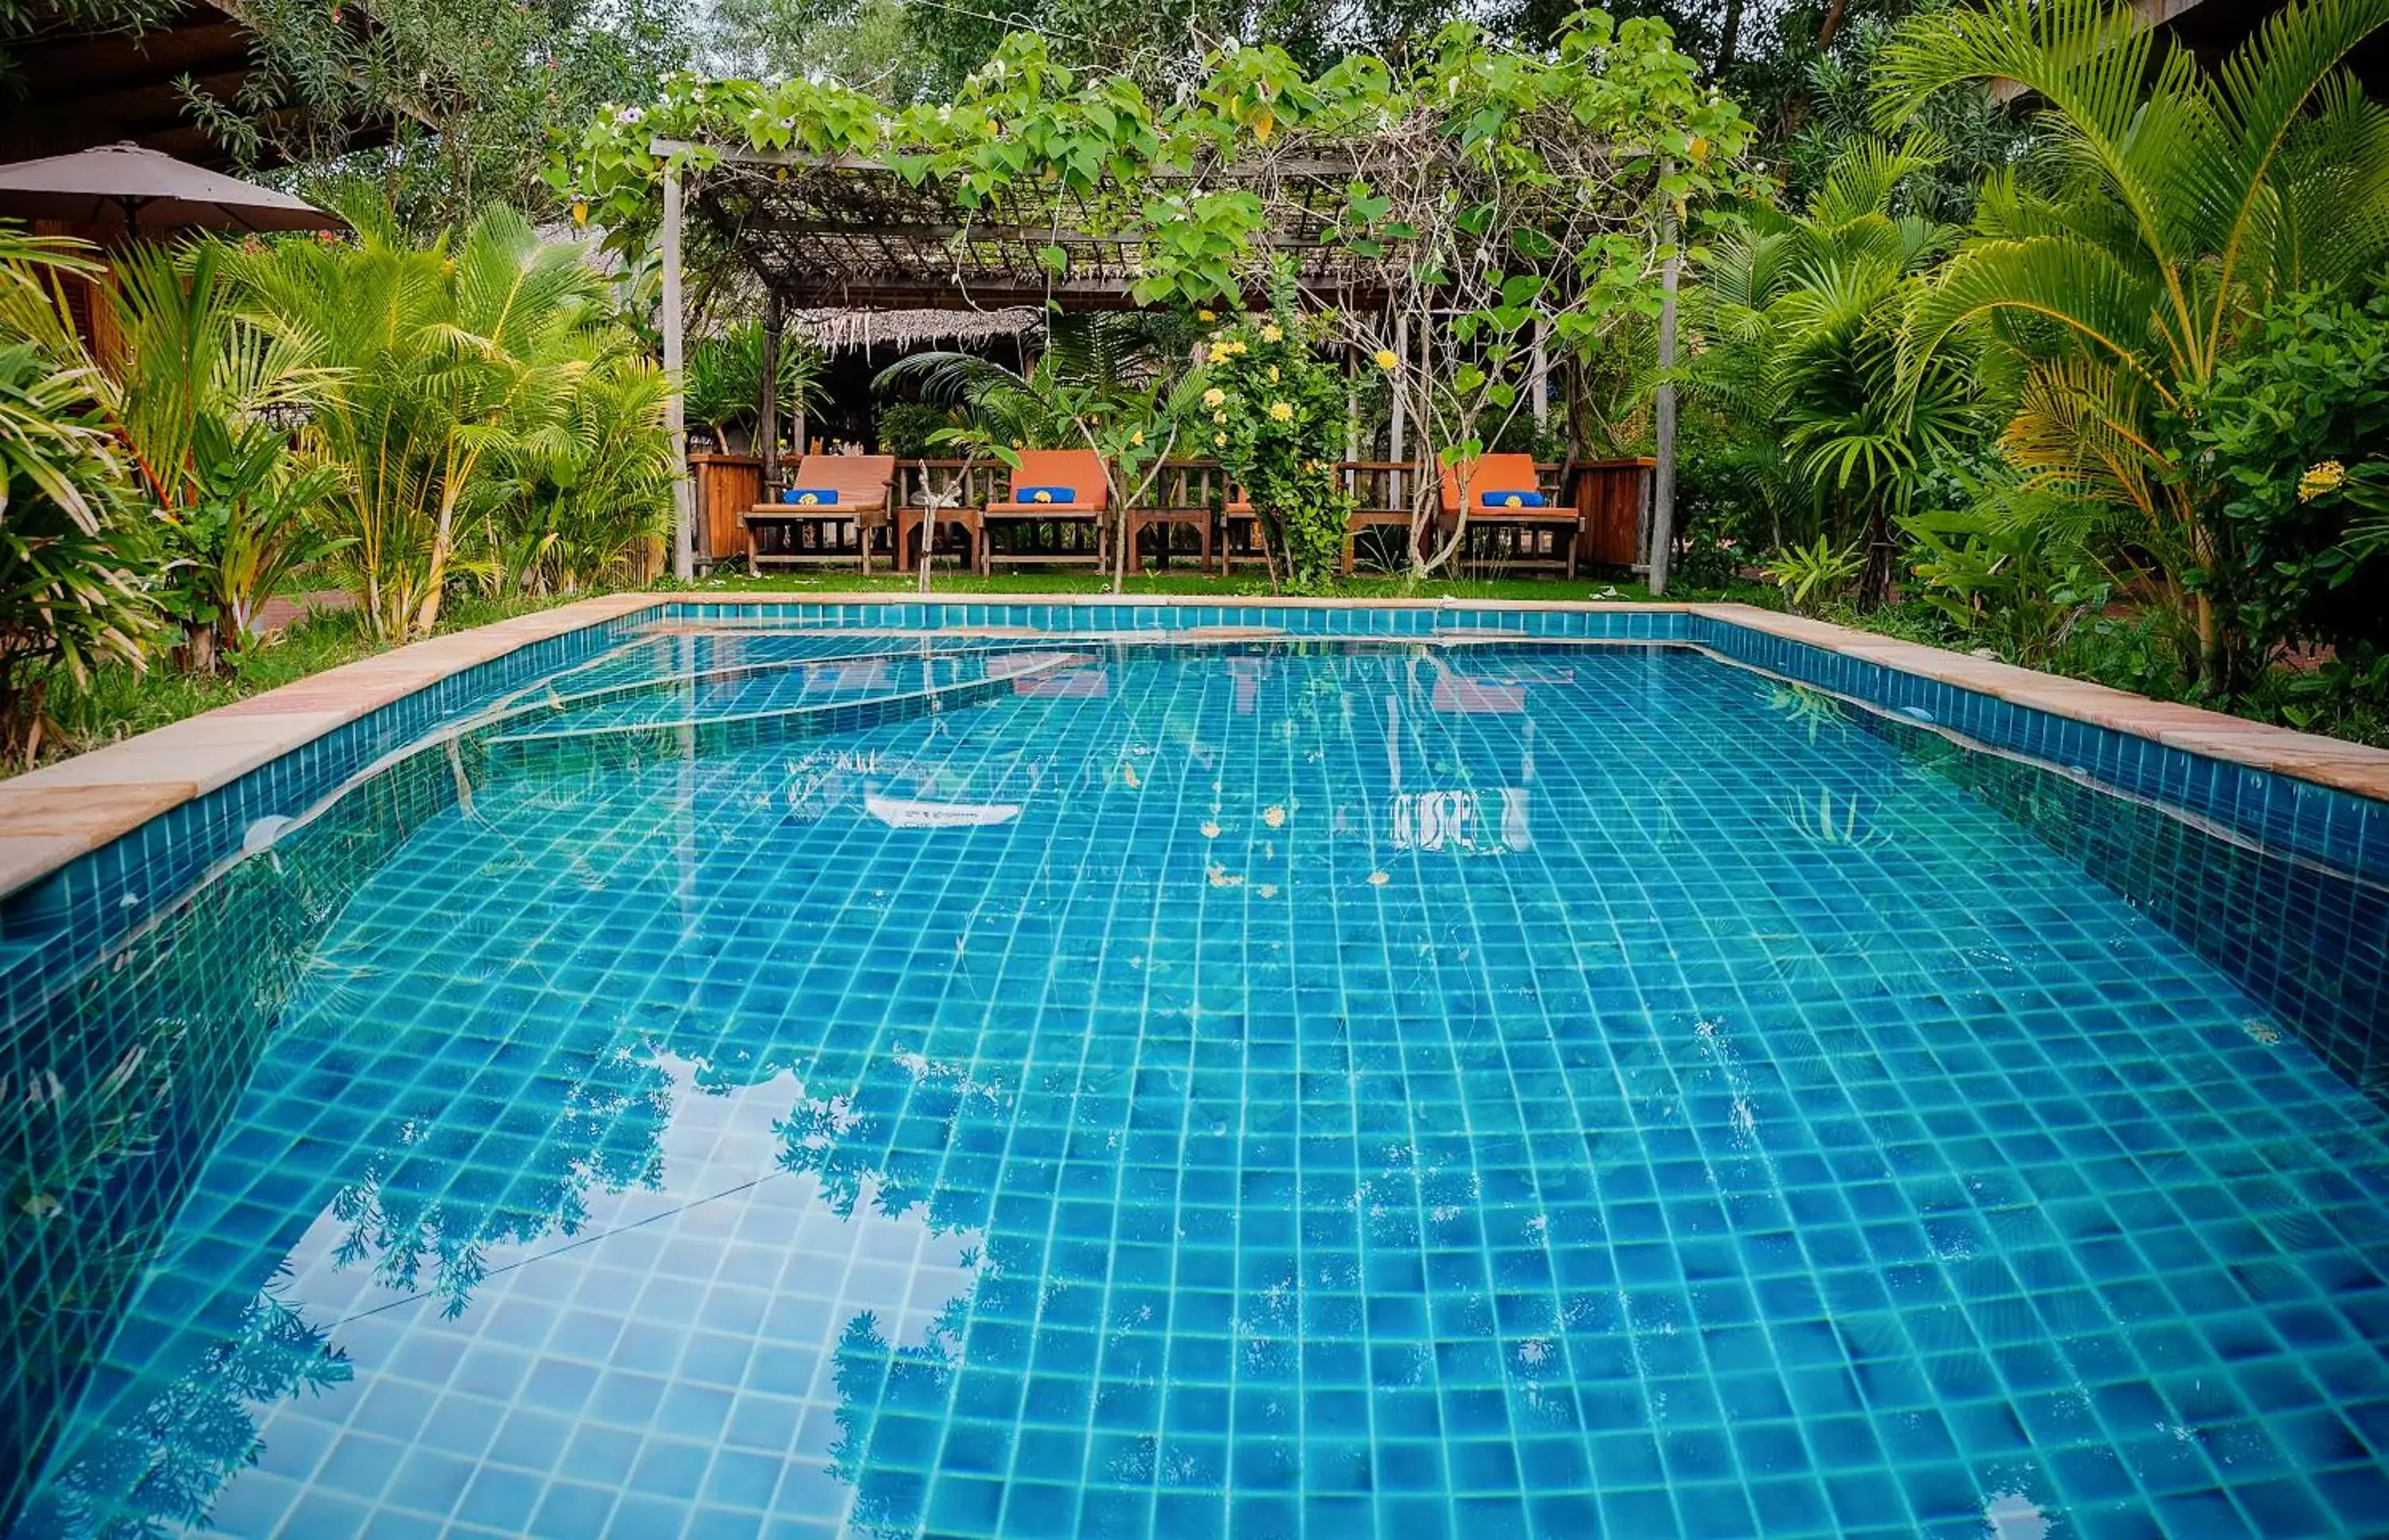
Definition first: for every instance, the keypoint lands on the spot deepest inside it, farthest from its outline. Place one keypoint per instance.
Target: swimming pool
(793, 1071)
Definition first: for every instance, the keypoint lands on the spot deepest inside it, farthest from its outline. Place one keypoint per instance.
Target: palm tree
(1106, 353)
(588, 495)
(2122, 268)
(1804, 312)
(456, 357)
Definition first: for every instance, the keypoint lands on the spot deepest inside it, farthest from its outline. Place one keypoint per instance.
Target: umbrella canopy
(125, 187)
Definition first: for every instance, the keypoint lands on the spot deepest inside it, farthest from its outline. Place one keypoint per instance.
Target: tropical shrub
(1805, 314)
(71, 549)
(2293, 433)
(2123, 269)
(244, 530)
(2006, 578)
(1275, 419)
(725, 380)
(590, 495)
(907, 428)
(459, 359)
(1814, 575)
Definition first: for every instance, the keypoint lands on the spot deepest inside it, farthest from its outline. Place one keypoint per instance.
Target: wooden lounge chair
(1470, 484)
(860, 483)
(1078, 471)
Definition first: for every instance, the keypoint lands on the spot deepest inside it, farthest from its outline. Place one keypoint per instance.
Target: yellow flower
(1237, 347)
(1219, 352)
(1282, 412)
(2328, 477)
(1220, 440)
(1136, 439)
(580, 214)
(1272, 374)
(1385, 359)
(1214, 396)
(1207, 316)
(1219, 416)
(1271, 334)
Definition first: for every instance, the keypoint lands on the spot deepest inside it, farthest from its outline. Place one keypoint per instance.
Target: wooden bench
(861, 482)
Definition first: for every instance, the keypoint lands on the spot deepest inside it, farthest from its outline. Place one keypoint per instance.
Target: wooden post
(1538, 378)
(676, 372)
(767, 406)
(1663, 406)
(1402, 399)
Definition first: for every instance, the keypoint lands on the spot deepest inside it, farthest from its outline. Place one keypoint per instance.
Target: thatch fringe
(859, 330)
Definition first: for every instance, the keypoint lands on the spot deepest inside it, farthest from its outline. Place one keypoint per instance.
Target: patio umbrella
(129, 188)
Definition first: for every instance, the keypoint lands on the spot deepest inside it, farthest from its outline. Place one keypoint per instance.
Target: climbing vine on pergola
(1462, 218)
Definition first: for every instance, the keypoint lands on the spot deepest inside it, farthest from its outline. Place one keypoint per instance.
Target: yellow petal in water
(1222, 877)
(1274, 816)
(1127, 773)
(1210, 828)
(1379, 879)
(1267, 890)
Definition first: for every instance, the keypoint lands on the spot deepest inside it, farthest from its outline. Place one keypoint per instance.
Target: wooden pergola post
(1402, 399)
(1663, 406)
(767, 409)
(676, 375)
(1538, 377)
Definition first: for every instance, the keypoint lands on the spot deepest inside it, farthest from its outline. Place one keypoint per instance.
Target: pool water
(1396, 1090)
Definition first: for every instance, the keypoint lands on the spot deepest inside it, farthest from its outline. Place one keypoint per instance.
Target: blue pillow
(1044, 494)
(809, 497)
(1514, 499)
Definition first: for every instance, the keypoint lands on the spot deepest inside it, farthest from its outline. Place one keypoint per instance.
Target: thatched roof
(836, 331)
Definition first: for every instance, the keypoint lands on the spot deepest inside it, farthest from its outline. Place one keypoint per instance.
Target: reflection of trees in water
(159, 1469)
(886, 1142)
(432, 1194)
(114, 1088)
(873, 1372)
(441, 1174)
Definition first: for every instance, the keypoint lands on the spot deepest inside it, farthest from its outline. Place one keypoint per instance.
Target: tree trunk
(1831, 27)
(1729, 39)
(200, 650)
(1874, 577)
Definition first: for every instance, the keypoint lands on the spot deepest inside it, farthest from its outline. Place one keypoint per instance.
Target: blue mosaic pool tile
(1273, 1124)
(1849, 1339)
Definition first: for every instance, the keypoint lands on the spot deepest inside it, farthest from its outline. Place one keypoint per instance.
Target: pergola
(854, 232)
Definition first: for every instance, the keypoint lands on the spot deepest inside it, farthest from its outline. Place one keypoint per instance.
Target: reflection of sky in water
(1354, 1092)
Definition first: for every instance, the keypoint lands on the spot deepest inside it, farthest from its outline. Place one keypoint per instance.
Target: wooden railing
(1609, 493)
